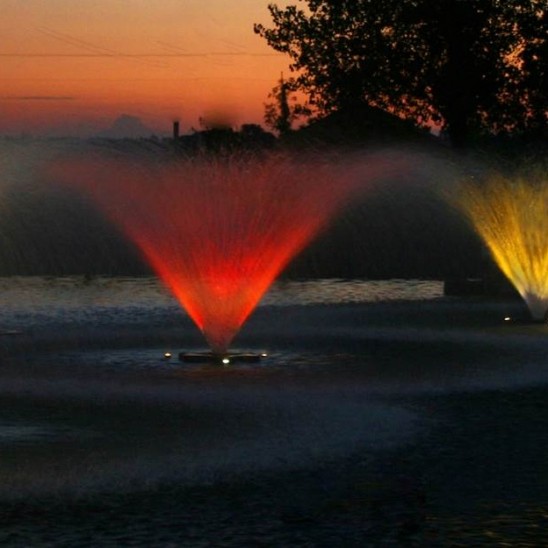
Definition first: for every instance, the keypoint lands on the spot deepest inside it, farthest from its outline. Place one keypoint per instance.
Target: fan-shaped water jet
(219, 230)
(511, 217)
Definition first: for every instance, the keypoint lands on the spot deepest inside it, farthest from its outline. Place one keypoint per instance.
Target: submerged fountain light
(511, 216)
(218, 231)
(222, 359)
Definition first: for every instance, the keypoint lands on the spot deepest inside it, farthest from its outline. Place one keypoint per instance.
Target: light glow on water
(511, 216)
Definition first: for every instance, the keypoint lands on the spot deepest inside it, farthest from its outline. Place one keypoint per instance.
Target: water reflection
(71, 292)
(331, 291)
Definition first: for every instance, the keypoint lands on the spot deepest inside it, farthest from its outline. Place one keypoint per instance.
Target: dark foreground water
(385, 415)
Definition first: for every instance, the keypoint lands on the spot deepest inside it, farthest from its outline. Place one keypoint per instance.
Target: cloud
(39, 98)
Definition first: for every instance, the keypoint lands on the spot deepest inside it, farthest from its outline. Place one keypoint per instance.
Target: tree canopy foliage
(472, 66)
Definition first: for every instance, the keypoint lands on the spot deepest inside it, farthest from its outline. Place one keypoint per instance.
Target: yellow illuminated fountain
(511, 216)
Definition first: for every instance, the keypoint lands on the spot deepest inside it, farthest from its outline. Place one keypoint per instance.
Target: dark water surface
(384, 415)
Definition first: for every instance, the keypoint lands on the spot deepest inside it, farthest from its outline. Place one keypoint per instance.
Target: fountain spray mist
(511, 216)
(219, 230)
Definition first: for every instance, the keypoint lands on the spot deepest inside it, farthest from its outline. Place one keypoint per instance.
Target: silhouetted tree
(472, 66)
(533, 62)
(279, 113)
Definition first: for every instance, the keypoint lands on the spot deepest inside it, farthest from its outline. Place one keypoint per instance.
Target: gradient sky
(70, 67)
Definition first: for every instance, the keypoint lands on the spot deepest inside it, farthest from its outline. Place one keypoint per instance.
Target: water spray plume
(511, 216)
(217, 231)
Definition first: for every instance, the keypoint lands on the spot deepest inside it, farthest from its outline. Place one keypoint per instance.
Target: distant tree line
(223, 139)
(471, 67)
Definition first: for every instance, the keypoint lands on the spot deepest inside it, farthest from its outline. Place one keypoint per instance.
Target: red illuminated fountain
(219, 231)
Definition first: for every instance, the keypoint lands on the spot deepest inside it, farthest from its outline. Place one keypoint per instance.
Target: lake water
(384, 414)
(25, 298)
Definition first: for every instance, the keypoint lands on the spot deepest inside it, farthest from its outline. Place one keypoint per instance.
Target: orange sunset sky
(71, 67)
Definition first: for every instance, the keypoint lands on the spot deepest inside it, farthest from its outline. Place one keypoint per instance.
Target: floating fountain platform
(221, 359)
